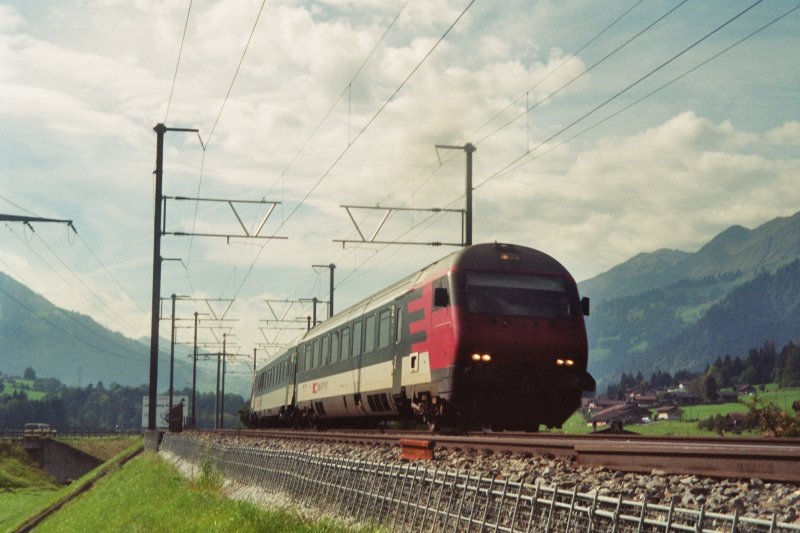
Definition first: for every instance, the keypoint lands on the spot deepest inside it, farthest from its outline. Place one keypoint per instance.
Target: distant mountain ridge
(669, 310)
(74, 348)
(737, 249)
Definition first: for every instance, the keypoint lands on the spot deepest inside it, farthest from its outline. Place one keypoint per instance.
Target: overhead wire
(431, 218)
(327, 114)
(110, 274)
(49, 266)
(235, 74)
(584, 72)
(620, 92)
(178, 62)
(658, 89)
(433, 171)
(63, 313)
(69, 333)
(569, 58)
(341, 95)
(205, 143)
(338, 158)
(593, 39)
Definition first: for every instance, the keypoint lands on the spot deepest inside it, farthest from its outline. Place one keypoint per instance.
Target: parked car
(38, 430)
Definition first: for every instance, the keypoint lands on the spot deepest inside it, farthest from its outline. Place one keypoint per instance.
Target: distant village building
(595, 405)
(681, 396)
(644, 400)
(620, 414)
(745, 390)
(669, 412)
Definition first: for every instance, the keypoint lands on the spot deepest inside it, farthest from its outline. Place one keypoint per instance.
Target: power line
(116, 281)
(584, 72)
(360, 133)
(621, 92)
(66, 332)
(658, 89)
(341, 95)
(235, 74)
(57, 273)
(567, 60)
(177, 64)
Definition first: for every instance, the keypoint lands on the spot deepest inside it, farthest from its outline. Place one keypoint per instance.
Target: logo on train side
(318, 386)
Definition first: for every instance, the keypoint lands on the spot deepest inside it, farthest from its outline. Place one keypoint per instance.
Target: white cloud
(83, 86)
(675, 186)
(788, 134)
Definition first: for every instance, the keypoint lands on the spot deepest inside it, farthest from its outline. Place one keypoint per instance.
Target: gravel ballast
(747, 497)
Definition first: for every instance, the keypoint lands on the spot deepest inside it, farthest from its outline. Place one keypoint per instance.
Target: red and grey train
(492, 335)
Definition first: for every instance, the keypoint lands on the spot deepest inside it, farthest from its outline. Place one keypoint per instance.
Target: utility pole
(469, 148)
(216, 402)
(194, 373)
(172, 354)
(330, 301)
(222, 396)
(160, 130)
(314, 301)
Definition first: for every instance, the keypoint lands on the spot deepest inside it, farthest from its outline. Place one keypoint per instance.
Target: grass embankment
(23, 486)
(25, 489)
(147, 494)
(104, 448)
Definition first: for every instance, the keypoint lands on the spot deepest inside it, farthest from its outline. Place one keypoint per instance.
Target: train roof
(476, 257)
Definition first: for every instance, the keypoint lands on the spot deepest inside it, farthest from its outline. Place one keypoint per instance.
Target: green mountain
(77, 350)
(670, 310)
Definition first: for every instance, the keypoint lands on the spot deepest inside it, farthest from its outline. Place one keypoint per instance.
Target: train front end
(521, 339)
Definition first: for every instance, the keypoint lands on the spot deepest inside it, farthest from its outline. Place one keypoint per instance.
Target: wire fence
(418, 497)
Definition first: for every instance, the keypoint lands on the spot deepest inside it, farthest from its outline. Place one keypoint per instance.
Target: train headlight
(478, 357)
(564, 362)
(486, 358)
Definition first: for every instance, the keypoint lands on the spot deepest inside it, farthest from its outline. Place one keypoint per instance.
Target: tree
(29, 374)
(710, 388)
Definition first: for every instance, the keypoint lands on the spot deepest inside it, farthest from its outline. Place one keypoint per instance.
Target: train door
(398, 391)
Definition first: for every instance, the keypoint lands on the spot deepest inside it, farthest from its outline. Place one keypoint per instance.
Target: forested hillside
(77, 350)
(673, 310)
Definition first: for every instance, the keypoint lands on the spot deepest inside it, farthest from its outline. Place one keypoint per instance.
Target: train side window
(358, 327)
(346, 342)
(398, 324)
(441, 297)
(334, 346)
(326, 350)
(317, 353)
(384, 328)
(369, 334)
(309, 358)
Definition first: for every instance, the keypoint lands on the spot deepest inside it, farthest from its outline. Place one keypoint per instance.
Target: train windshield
(493, 293)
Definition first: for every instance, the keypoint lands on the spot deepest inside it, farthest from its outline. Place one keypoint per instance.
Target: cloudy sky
(603, 129)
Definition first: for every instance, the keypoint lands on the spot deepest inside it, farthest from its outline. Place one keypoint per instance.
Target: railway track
(765, 459)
